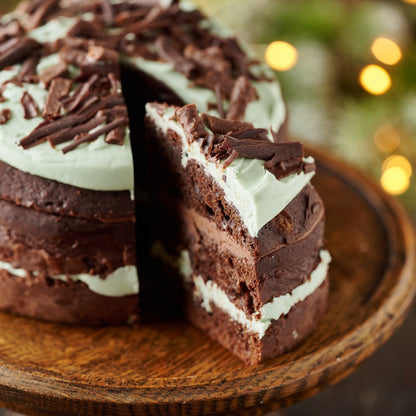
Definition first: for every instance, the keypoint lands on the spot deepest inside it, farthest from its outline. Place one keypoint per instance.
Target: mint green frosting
(252, 189)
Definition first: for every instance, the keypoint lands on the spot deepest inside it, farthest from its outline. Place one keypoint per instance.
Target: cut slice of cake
(243, 227)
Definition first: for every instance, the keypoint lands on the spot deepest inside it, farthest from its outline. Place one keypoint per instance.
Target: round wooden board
(166, 369)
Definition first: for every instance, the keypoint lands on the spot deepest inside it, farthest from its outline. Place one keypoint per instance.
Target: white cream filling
(122, 282)
(210, 293)
(253, 190)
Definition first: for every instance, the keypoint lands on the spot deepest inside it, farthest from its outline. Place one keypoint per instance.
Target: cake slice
(243, 227)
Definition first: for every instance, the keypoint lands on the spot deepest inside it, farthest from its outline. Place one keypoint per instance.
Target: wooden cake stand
(165, 369)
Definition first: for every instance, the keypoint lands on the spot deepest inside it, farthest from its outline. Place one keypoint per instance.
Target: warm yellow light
(395, 180)
(386, 51)
(375, 79)
(281, 56)
(397, 161)
(410, 1)
(387, 138)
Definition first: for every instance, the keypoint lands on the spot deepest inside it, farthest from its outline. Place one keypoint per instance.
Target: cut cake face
(243, 234)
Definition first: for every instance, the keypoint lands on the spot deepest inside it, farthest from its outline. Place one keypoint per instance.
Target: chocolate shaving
(11, 30)
(281, 159)
(93, 136)
(59, 88)
(233, 156)
(85, 29)
(68, 134)
(255, 134)
(5, 116)
(58, 70)
(272, 153)
(242, 93)
(107, 12)
(189, 118)
(223, 126)
(99, 53)
(130, 16)
(73, 56)
(116, 136)
(15, 50)
(210, 58)
(41, 12)
(28, 71)
(80, 94)
(30, 107)
(168, 51)
(49, 127)
(157, 18)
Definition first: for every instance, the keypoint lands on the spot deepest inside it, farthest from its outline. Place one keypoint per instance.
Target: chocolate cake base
(282, 335)
(66, 302)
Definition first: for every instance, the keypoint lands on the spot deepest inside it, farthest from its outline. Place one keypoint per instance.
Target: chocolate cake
(218, 202)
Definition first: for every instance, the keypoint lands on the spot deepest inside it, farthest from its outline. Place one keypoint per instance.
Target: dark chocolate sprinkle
(85, 29)
(58, 70)
(28, 71)
(223, 126)
(189, 118)
(11, 30)
(30, 106)
(5, 116)
(68, 134)
(16, 49)
(59, 88)
(41, 12)
(241, 95)
(107, 12)
(93, 136)
(168, 50)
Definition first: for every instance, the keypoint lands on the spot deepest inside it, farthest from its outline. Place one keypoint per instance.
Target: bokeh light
(398, 161)
(375, 79)
(281, 56)
(396, 175)
(410, 1)
(387, 138)
(395, 181)
(386, 51)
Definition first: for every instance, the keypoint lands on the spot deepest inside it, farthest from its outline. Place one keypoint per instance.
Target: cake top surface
(62, 114)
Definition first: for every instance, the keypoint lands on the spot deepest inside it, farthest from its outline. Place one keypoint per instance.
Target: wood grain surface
(171, 368)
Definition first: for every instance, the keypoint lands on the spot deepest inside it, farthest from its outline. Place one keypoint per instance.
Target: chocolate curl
(85, 29)
(58, 70)
(223, 126)
(11, 30)
(28, 71)
(242, 93)
(157, 18)
(60, 87)
(258, 149)
(107, 12)
(5, 116)
(41, 12)
(31, 109)
(189, 118)
(69, 134)
(94, 136)
(15, 50)
(168, 51)
(99, 53)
